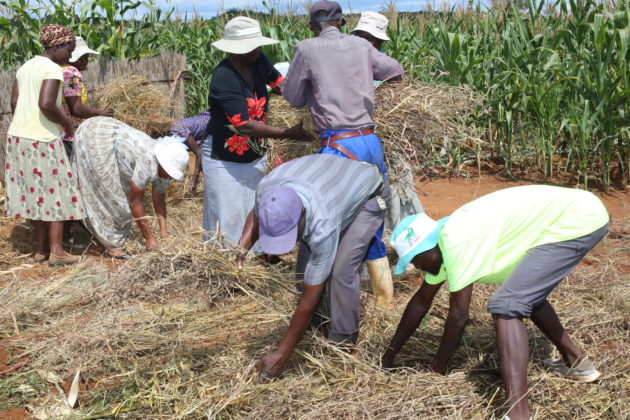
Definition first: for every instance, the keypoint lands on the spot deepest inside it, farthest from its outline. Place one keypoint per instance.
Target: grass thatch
(418, 123)
(175, 335)
(140, 104)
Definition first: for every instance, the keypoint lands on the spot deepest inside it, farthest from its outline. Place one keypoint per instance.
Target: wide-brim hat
(242, 35)
(374, 24)
(414, 235)
(172, 156)
(80, 50)
(279, 212)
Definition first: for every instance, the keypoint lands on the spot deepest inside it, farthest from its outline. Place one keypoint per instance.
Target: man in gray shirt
(333, 207)
(333, 73)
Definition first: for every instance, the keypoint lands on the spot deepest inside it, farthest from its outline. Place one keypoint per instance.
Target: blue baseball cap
(279, 212)
(414, 235)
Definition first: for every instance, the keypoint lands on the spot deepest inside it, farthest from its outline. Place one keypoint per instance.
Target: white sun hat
(242, 35)
(80, 50)
(172, 156)
(374, 24)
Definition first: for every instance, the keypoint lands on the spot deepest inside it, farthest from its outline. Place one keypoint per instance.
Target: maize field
(554, 74)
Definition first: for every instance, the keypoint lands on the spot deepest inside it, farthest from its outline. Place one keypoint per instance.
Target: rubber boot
(381, 279)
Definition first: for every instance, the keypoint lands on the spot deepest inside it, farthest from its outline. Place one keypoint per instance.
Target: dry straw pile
(415, 121)
(175, 336)
(139, 103)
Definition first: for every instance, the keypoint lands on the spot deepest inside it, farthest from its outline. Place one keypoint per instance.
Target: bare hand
(69, 131)
(152, 245)
(387, 362)
(297, 132)
(106, 112)
(437, 368)
(270, 366)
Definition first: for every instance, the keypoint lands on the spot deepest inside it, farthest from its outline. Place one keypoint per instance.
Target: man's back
(334, 74)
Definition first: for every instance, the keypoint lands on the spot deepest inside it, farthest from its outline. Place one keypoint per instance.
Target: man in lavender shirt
(193, 131)
(333, 74)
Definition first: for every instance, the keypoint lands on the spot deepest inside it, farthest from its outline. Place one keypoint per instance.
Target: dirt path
(440, 197)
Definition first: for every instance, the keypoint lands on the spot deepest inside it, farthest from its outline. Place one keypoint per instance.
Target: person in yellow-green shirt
(527, 239)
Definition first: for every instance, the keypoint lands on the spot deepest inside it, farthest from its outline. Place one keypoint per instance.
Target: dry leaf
(73, 395)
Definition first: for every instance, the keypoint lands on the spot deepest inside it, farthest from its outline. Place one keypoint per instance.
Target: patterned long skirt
(39, 181)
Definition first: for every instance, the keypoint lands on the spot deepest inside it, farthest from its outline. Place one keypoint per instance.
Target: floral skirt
(39, 182)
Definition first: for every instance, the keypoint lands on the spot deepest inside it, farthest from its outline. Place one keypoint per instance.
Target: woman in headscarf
(234, 161)
(40, 184)
(114, 164)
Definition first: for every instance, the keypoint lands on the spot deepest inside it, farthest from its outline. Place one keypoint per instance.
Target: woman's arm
(15, 93)
(256, 129)
(77, 109)
(159, 205)
(48, 105)
(137, 210)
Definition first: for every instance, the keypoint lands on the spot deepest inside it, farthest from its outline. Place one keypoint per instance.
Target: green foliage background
(555, 76)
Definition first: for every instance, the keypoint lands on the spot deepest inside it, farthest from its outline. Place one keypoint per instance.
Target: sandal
(40, 258)
(124, 256)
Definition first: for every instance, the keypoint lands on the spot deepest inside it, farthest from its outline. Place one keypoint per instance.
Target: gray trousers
(341, 301)
(539, 272)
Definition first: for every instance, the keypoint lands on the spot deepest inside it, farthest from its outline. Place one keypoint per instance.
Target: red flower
(12, 179)
(17, 140)
(23, 154)
(9, 140)
(7, 166)
(235, 120)
(71, 217)
(255, 107)
(52, 146)
(74, 199)
(17, 215)
(40, 200)
(69, 174)
(23, 198)
(52, 190)
(32, 190)
(43, 154)
(237, 144)
(35, 144)
(58, 204)
(47, 213)
(37, 172)
(63, 162)
(55, 171)
(28, 212)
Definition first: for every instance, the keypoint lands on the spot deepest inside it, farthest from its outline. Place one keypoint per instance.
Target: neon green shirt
(483, 240)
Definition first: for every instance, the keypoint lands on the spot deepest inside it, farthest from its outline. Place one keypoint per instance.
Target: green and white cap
(414, 235)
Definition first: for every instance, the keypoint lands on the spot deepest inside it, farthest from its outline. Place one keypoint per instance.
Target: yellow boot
(381, 279)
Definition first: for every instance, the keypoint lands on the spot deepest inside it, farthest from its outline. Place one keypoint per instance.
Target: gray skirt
(229, 195)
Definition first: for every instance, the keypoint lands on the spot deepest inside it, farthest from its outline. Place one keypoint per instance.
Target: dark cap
(332, 9)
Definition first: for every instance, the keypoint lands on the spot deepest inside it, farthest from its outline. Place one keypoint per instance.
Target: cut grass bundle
(416, 122)
(140, 104)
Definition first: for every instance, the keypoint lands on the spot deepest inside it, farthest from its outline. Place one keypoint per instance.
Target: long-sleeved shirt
(334, 75)
(333, 190)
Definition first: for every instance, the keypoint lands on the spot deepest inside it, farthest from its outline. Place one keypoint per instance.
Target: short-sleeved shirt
(234, 101)
(334, 75)
(194, 126)
(484, 240)
(72, 86)
(333, 191)
(28, 120)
